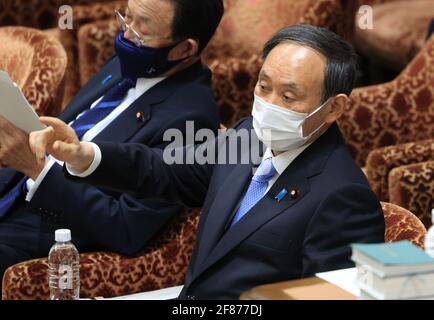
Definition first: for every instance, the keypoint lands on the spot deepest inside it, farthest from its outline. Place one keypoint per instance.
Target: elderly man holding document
(155, 82)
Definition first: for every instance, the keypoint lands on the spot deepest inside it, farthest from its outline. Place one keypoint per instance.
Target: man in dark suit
(291, 217)
(155, 82)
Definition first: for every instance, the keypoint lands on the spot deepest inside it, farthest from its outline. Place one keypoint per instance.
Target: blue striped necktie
(257, 188)
(112, 99)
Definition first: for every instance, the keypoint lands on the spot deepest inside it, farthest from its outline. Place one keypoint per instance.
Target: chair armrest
(381, 161)
(412, 187)
(401, 224)
(163, 263)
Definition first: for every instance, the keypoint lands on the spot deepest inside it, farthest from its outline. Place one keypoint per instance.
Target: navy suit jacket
(111, 220)
(331, 207)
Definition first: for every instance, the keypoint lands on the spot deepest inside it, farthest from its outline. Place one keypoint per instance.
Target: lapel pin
(294, 193)
(282, 194)
(106, 79)
(140, 116)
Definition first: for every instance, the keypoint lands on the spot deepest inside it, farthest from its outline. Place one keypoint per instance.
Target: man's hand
(15, 151)
(61, 142)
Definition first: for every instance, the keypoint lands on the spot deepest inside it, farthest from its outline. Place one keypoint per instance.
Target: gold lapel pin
(140, 116)
(293, 193)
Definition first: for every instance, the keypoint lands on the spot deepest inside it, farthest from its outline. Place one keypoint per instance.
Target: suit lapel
(267, 208)
(215, 224)
(92, 91)
(127, 123)
(237, 182)
(138, 113)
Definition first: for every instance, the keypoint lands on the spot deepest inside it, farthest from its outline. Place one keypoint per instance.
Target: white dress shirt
(142, 85)
(282, 161)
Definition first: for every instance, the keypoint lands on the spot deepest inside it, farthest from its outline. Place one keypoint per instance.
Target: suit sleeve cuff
(93, 166)
(32, 186)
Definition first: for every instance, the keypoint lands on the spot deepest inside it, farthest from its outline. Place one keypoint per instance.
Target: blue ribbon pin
(106, 79)
(282, 194)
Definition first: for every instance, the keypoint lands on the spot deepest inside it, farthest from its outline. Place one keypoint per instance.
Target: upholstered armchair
(395, 112)
(382, 161)
(163, 263)
(41, 14)
(37, 63)
(44, 15)
(84, 12)
(399, 32)
(401, 224)
(412, 187)
(247, 25)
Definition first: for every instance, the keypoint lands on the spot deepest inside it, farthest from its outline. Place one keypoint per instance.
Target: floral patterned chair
(395, 112)
(37, 63)
(44, 15)
(412, 187)
(163, 263)
(399, 32)
(381, 161)
(401, 224)
(84, 12)
(234, 52)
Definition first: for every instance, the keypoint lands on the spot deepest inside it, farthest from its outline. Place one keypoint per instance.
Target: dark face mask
(143, 62)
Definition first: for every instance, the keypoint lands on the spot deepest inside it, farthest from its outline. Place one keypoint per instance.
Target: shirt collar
(144, 84)
(283, 160)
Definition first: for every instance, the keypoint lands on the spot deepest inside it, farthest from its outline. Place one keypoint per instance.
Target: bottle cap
(62, 235)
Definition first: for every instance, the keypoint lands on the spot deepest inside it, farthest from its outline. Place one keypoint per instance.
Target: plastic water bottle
(429, 238)
(64, 268)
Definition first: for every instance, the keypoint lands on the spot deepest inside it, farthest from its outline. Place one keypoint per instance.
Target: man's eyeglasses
(136, 37)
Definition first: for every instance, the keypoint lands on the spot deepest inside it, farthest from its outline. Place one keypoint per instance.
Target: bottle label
(65, 277)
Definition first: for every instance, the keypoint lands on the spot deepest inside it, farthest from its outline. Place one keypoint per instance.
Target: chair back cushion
(163, 263)
(396, 112)
(36, 62)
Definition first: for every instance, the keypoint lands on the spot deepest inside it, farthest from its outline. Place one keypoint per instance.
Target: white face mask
(278, 128)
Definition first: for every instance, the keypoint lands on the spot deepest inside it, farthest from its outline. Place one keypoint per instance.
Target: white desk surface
(162, 294)
(345, 279)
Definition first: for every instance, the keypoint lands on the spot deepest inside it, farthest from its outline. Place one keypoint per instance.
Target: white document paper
(162, 294)
(15, 107)
(344, 279)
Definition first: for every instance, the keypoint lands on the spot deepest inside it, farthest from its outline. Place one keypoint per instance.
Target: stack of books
(390, 271)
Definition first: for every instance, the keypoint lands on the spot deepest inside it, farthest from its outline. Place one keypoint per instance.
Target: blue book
(393, 259)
